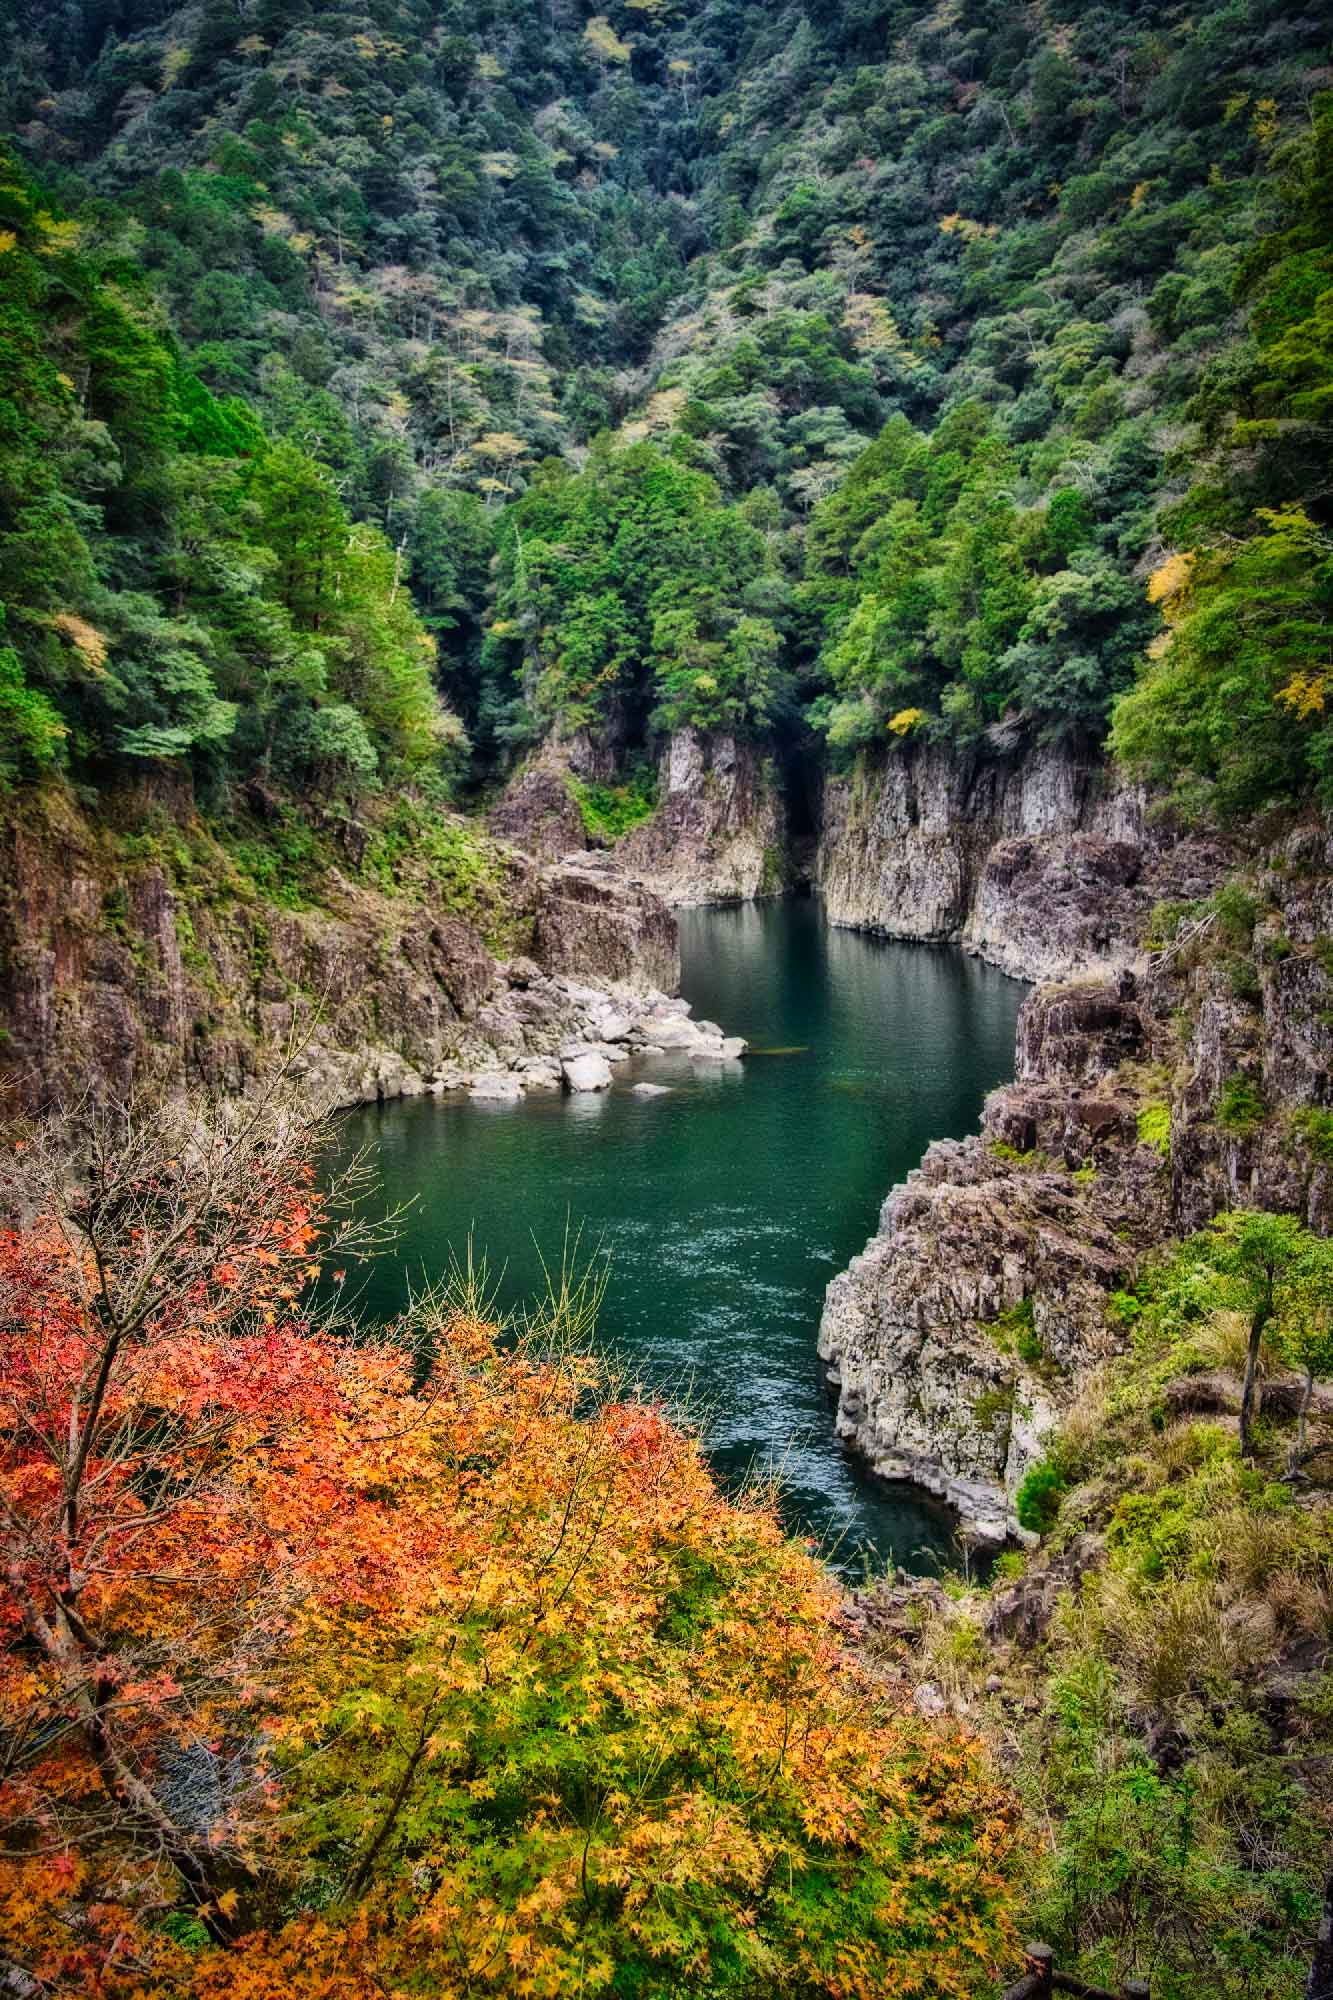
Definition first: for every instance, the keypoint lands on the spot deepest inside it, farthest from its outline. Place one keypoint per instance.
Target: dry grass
(953, 1651)
(1167, 1643)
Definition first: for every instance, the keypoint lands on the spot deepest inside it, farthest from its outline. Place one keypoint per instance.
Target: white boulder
(587, 1072)
(499, 1086)
(726, 1048)
(671, 1031)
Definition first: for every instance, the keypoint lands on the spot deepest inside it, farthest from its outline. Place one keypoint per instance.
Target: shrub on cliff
(1159, 1675)
(346, 1667)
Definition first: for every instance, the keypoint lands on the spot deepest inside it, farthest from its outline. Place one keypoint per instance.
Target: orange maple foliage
(339, 1668)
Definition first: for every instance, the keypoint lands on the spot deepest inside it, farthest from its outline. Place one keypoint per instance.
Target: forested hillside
(933, 357)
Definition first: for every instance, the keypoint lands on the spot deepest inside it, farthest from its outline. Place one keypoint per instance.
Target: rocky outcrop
(589, 918)
(1039, 860)
(537, 810)
(118, 974)
(718, 832)
(982, 1301)
(1141, 1107)
(957, 1334)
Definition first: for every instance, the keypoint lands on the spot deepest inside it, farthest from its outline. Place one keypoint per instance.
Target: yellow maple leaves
(1305, 695)
(1171, 579)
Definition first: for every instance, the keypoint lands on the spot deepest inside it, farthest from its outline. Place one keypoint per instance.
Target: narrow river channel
(724, 1207)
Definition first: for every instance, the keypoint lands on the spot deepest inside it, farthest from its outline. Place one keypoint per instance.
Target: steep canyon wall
(988, 1292)
(1040, 860)
(167, 967)
(718, 833)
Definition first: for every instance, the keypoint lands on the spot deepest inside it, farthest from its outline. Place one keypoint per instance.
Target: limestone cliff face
(115, 975)
(1038, 860)
(718, 834)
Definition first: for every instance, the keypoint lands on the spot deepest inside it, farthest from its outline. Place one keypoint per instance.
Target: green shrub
(1165, 921)
(994, 1406)
(1316, 1128)
(1038, 1500)
(1237, 912)
(1154, 1127)
(1124, 1307)
(1240, 1108)
(1243, 979)
(609, 812)
(1015, 1332)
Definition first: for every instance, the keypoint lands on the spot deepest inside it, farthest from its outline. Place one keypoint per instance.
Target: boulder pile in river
(547, 1031)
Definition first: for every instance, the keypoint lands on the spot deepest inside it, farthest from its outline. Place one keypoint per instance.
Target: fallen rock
(587, 1072)
(542, 1073)
(671, 1031)
(650, 1090)
(499, 1086)
(611, 1024)
(723, 1048)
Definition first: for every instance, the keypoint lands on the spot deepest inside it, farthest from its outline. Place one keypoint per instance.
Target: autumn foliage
(418, 1665)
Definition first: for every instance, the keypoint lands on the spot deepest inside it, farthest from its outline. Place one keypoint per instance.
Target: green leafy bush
(1154, 1127)
(1316, 1128)
(609, 812)
(1037, 1502)
(1240, 1108)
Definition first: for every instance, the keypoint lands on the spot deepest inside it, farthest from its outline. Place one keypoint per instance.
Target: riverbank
(399, 952)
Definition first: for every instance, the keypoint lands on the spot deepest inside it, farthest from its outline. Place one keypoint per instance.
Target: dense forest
(395, 386)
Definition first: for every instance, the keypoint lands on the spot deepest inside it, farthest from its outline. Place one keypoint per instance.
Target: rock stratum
(718, 833)
(1037, 859)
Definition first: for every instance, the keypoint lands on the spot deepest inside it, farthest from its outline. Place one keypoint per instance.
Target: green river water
(724, 1208)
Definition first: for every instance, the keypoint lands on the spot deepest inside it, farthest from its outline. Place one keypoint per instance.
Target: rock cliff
(162, 965)
(717, 834)
(1037, 859)
(955, 1336)
(1142, 1105)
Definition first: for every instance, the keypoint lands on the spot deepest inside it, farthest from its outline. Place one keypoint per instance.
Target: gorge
(689, 643)
(721, 1207)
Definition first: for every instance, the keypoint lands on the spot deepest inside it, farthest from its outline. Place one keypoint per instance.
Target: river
(724, 1208)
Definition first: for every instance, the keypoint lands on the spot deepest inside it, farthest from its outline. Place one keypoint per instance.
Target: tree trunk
(1247, 1395)
(1303, 1421)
